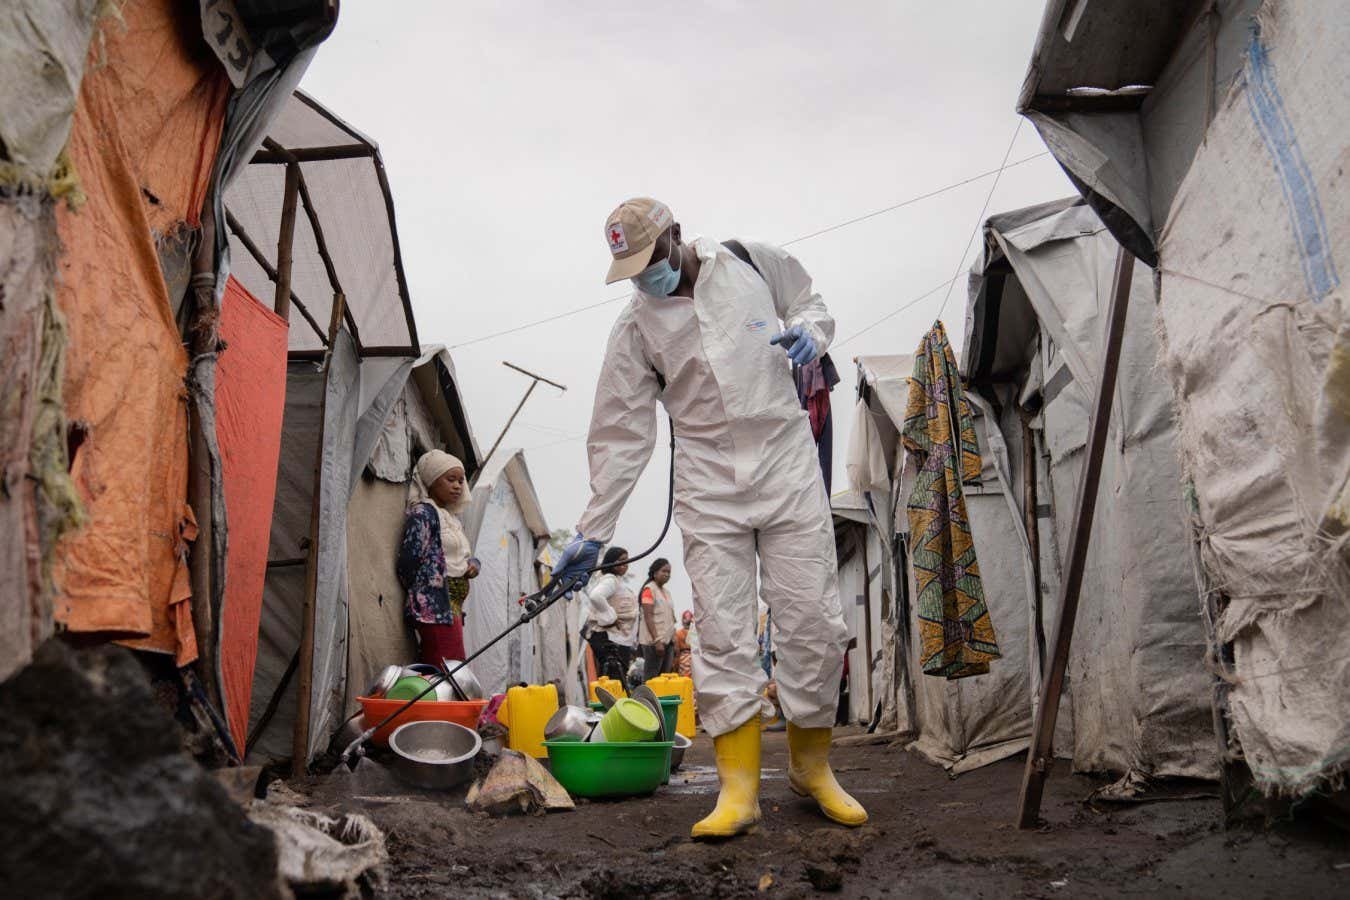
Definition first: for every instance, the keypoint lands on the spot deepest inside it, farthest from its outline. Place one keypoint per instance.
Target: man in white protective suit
(702, 335)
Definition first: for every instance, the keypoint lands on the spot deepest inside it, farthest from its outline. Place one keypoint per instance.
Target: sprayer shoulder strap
(738, 249)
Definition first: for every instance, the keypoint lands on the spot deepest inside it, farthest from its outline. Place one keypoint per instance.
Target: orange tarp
(250, 402)
(146, 131)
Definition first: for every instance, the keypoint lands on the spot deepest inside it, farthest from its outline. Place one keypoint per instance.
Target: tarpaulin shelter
(969, 722)
(1138, 693)
(506, 525)
(311, 227)
(858, 551)
(43, 52)
(874, 465)
(131, 114)
(1206, 136)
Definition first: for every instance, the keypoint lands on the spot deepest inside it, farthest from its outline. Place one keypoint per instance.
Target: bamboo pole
(205, 336)
(312, 154)
(1040, 756)
(320, 243)
(265, 264)
(304, 688)
(534, 383)
(286, 242)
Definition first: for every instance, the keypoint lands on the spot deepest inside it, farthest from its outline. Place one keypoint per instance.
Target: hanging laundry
(956, 634)
(815, 380)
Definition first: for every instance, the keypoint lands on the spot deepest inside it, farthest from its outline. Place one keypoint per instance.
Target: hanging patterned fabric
(956, 635)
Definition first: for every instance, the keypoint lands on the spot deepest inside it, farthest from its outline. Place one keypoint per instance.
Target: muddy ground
(929, 836)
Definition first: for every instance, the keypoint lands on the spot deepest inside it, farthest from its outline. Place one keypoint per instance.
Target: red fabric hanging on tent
(250, 401)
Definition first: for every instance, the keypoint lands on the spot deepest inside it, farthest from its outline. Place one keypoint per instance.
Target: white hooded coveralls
(747, 476)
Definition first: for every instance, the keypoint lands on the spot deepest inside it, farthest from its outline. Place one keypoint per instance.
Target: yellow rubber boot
(809, 775)
(737, 810)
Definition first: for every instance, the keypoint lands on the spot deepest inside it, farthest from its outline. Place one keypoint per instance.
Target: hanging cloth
(956, 634)
(815, 380)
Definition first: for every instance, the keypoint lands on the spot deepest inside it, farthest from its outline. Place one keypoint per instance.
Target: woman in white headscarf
(435, 559)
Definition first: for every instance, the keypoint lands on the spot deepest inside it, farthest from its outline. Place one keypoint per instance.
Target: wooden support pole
(266, 265)
(1031, 519)
(205, 336)
(286, 242)
(534, 383)
(281, 156)
(304, 687)
(1040, 756)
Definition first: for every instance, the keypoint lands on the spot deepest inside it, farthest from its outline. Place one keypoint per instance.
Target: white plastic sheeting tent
(1138, 692)
(378, 416)
(858, 550)
(968, 722)
(507, 527)
(381, 400)
(1226, 168)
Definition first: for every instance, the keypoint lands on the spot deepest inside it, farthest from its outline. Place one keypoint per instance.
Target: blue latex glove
(576, 561)
(799, 346)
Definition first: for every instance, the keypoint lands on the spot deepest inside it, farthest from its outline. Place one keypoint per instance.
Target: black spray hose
(534, 604)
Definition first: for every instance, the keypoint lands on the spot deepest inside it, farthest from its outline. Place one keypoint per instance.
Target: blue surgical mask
(659, 279)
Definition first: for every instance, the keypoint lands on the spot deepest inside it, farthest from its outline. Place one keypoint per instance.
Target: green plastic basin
(670, 711)
(606, 769)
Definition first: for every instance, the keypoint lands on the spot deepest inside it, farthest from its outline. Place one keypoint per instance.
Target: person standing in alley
(657, 634)
(613, 617)
(435, 563)
(711, 333)
(684, 645)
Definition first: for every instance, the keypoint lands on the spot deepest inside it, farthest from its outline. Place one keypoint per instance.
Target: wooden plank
(311, 154)
(286, 242)
(300, 744)
(1040, 756)
(205, 335)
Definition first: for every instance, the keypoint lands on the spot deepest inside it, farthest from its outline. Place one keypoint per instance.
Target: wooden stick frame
(1040, 755)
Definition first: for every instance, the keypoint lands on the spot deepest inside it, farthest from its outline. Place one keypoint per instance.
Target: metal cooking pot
(387, 678)
(434, 755)
(464, 679)
(682, 744)
(570, 721)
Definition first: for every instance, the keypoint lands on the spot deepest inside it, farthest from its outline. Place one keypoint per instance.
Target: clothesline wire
(893, 313)
(837, 344)
(979, 222)
(996, 173)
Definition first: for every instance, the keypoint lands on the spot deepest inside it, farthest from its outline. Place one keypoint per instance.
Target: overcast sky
(510, 130)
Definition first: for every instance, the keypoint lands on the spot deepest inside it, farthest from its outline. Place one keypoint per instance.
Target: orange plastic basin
(461, 712)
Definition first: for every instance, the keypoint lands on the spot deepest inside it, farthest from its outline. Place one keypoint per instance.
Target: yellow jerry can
(681, 686)
(613, 685)
(525, 713)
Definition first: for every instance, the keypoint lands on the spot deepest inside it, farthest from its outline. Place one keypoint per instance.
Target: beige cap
(631, 232)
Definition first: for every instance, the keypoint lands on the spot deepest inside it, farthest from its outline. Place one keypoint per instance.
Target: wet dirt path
(929, 837)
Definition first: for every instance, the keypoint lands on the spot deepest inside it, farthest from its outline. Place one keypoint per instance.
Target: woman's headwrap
(430, 467)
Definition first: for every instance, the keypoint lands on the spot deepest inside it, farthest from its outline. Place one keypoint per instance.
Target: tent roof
(345, 234)
(510, 464)
(1000, 319)
(1097, 55)
(849, 505)
(888, 378)
(435, 376)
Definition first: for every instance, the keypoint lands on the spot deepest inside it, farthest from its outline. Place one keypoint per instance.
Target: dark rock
(825, 877)
(98, 799)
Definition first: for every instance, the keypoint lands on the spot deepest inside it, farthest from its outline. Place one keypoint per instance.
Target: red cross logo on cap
(618, 243)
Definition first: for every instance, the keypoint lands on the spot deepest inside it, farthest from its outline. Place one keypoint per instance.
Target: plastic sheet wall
(250, 401)
(145, 136)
